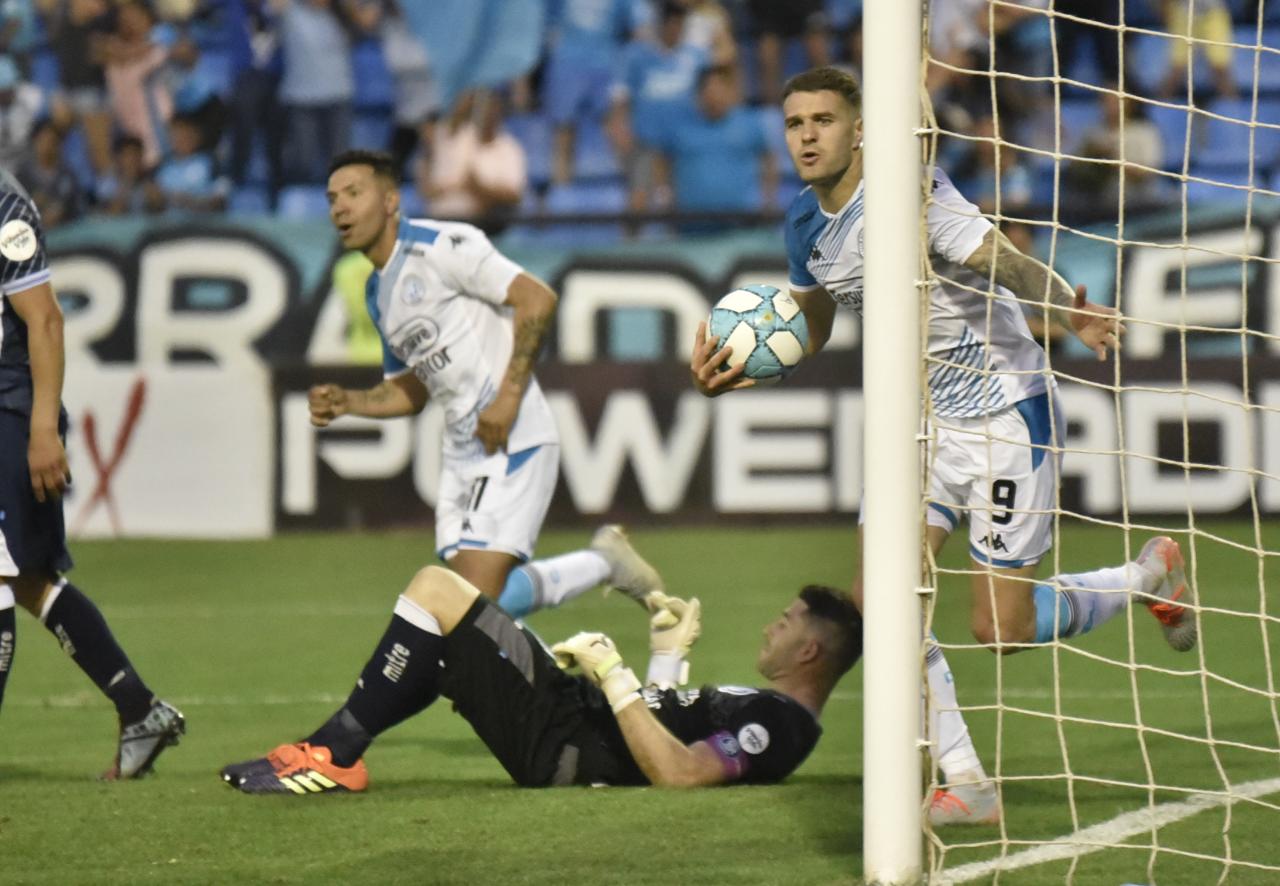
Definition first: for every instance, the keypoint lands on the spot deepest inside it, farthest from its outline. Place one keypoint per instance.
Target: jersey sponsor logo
(413, 291)
(413, 340)
(850, 298)
(754, 738)
(17, 240)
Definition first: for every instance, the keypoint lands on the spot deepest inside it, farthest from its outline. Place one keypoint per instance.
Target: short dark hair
(837, 611)
(382, 164)
(830, 79)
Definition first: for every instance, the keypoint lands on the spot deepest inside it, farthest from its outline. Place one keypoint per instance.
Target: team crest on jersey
(17, 240)
(727, 744)
(754, 738)
(413, 290)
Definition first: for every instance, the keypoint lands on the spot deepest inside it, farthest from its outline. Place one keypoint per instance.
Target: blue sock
(519, 595)
(1051, 605)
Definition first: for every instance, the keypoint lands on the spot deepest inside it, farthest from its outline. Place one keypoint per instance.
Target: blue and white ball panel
(496, 503)
(765, 329)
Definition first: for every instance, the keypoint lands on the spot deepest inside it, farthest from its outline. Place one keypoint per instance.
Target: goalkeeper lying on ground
(547, 727)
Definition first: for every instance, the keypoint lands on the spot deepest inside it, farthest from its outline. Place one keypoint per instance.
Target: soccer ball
(764, 326)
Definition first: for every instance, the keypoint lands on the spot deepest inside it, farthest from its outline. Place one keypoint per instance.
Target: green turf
(257, 641)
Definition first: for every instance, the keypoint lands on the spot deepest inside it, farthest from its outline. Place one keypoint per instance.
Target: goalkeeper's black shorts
(544, 726)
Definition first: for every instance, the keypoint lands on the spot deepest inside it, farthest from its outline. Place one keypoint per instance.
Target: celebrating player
(462, 324)
(995, 419)
(33, 476)
(549, 728)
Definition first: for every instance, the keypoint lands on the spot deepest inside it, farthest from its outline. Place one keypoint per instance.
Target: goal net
(1135, 147)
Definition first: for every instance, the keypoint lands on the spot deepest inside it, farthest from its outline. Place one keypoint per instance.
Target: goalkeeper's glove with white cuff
(673, 629)
(598, 658)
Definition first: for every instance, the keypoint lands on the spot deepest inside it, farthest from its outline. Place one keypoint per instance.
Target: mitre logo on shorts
(413, 290)
(754, 738)
(412, 341)
(17, 240)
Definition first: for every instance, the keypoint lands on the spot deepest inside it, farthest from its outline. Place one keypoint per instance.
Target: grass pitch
(257, 642)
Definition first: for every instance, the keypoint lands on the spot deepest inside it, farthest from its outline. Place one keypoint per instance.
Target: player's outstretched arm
(390, 398)
(1030, 280)
(662, 757)
(535, 305)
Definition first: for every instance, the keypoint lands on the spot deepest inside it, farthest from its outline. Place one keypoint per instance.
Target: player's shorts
(33, 537)
(543, 725)
(786, 18)
(496, 503)
(1001, 473)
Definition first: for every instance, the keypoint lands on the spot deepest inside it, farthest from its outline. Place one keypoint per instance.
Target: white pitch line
(1106, 835)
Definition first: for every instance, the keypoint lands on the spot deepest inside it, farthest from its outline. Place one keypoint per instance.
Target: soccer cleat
(965, 804)
(1172, 596)
(628, 571)
(141, 742)
(300, 769)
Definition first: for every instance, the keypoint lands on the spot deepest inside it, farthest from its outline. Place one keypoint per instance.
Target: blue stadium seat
(1226, 142)
(534, 134)
(374, 86)
(249, 200)
(1147, 57)
(371, 129)
(603, 197)
(303, 201)
(1201, 193)
(411, 203)
(593, 154)
(1078, 116)
(1268, 62)
(1172, 123)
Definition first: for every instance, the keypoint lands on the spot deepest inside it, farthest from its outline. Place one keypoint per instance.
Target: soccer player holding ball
(33, 476)
(995, 421)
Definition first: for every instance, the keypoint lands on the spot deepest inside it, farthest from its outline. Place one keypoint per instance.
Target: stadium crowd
(129, 106)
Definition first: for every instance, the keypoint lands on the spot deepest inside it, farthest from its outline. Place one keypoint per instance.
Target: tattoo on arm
(524, 351)
(1028, 278)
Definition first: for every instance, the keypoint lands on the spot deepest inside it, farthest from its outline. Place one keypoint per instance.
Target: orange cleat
(1172, 598)
(300, 769)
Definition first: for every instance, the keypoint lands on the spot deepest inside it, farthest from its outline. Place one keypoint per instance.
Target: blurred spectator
(21, 105)
(774, 23)
(139, 99)
(475, 170)
(316, 88)
(588, 36)
(254, 111)
(49, 180)
(1088, 28)
(417, 99)
(128, 188)
(1211, 23)
(659, 78)
(1096, 186)
(719, 153)
(709, 28)
(194, 93)
(188, 178)
(76, 29)
(350, 278)
(19, 30)
(999, 183)
(844, 17)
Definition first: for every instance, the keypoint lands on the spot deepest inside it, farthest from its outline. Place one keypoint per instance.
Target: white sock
(952, 748)
(1092, 598)
(560, 579)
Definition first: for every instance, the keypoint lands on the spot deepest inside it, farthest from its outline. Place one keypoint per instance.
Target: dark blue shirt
(24, 264)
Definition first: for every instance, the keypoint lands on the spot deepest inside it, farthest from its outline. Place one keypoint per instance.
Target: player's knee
(30, 592)
(1005, 638)
(434, 587)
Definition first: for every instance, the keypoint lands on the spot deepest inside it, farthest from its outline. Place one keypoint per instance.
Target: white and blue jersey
(24, 264)
(438, 305)
(982, 357)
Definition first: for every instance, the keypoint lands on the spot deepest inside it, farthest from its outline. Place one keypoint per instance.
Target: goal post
(891, 559)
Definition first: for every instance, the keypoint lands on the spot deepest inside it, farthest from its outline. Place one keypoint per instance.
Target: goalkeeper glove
(598, 658)
(673, 629)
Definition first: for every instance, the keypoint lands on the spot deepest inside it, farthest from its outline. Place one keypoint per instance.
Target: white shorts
(1001, 472)
(496, 503)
